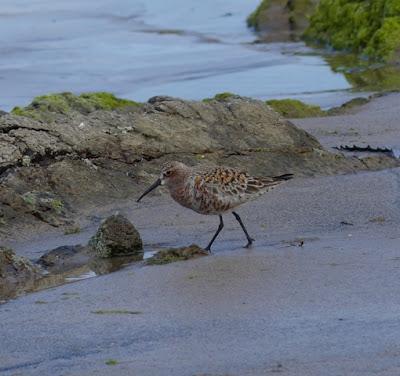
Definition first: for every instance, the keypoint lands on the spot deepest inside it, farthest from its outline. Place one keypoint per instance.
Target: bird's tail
(283, 177)
(258, 184)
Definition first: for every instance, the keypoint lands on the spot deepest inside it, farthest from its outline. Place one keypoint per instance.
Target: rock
(281, 20)
(64, 258)
(161, 98)
(16, 273)
(167, 256)
(53, 168)
(2, 113)
(116, 236)
(46, 206)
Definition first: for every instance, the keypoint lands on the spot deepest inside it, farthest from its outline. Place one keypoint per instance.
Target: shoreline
(317, 285)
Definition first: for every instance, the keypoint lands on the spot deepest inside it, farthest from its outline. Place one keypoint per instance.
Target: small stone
(58, 256)
(116, 236)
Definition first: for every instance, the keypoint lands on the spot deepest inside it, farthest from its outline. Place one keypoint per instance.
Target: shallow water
(71, 272)
(138, 49)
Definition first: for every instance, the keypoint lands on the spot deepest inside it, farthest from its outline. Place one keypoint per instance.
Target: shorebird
(213, 190)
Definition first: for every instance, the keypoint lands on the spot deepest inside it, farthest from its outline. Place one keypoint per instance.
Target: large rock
(72, 158)
(116, 237)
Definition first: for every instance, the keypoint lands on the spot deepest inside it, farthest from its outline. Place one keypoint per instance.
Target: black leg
(220, 227)
(249, 239)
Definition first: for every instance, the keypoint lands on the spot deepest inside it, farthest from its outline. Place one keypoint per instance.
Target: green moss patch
(363, 75)
(111, 362)
(254, 19)
(370, 28)
(293, 14)
(64, 103)
(166, 256)
(292, 108)
(221, 97)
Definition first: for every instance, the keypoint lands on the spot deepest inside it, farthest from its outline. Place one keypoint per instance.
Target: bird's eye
(168, 173)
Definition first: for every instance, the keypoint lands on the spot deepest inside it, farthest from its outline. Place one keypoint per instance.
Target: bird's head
(171, 174)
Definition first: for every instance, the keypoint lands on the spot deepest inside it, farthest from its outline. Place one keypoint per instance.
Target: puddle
(92, 268)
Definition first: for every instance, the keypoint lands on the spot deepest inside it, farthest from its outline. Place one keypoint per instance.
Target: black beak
(152, 187)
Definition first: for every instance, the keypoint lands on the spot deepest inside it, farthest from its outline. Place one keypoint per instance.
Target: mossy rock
(370, 28)
(116, 236)
(255, 18)
(65, 103)
(225, 96)
(45, 206)
(295, 109)
(281, 19)
(166, 256)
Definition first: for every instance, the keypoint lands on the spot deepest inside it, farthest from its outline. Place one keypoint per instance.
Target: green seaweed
(57, 205)
(166, 256)
(111, 362)
(72, 230)
(362, 75)
(253, 20)
(296, 12)
(292, 108)
(220, 97)
(370, 28)
(43, 107)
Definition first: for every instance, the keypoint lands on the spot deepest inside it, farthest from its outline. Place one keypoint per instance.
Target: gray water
(137, 49)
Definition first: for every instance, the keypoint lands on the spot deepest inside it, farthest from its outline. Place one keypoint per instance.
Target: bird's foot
(249, 243)
(208, 250)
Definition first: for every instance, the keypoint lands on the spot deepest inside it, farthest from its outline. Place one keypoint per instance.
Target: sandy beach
(95, 99)
(316, 295)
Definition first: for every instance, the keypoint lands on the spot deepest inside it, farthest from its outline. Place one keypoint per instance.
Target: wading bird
(213, 190)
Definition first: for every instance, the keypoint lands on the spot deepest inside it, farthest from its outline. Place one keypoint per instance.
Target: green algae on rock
(221, 97)
(64, 103)
(370, 28)
(116, 237)
(281, 20)
(166, 256)
(363, 75)
(255, 18)
(292, 108)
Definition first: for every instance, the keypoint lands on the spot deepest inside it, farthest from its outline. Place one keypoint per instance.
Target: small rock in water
(61, 256)
(167, 256)
(116, 236)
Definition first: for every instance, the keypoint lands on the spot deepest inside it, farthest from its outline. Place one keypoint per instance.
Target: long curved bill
(151, 188)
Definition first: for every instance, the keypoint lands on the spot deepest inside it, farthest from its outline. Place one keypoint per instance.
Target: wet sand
(328, 307)
(375, 124)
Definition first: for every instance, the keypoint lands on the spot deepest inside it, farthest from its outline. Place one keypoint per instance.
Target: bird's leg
(220, 227)
(249, 239)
